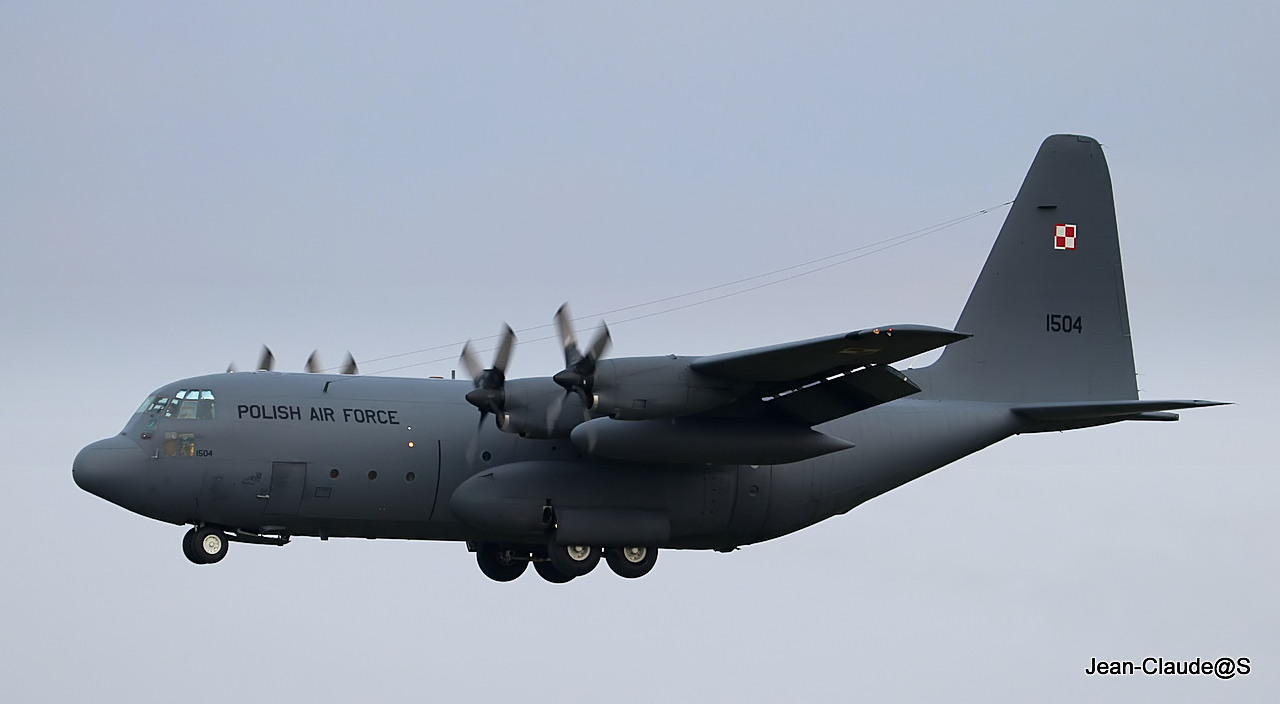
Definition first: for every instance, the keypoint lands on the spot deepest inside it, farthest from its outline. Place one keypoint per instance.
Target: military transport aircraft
(622, 457)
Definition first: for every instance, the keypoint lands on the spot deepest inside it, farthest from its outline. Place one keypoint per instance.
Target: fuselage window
(179, 444)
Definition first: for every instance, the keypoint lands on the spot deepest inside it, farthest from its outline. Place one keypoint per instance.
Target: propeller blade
(553, 411)
(313, 362)
(504, 349)
(475, 439)
(579, 370)
(349, 366)
(231, 368)
(267, 360)
(488, 393)
(600, 344)
(471, 362)
(568, 338)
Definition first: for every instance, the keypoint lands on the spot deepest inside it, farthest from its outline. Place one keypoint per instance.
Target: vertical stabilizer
(1048, 313)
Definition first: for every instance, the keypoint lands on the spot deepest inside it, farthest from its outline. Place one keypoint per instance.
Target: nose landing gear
(204, 546)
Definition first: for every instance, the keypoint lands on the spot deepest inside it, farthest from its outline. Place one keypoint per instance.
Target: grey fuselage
(342, 456)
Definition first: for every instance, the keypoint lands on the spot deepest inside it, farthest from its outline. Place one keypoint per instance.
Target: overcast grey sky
(184, 182)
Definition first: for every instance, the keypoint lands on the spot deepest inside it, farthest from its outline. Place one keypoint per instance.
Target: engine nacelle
(539, 408)
(644, 388)
(746, 441)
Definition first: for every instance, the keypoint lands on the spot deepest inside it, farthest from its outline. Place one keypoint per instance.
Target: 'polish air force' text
(322, 414)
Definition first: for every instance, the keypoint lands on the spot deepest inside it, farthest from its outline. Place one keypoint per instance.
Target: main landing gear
(204, 546)
(562, 563)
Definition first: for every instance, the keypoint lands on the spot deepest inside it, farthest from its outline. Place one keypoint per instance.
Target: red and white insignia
(1064, 236)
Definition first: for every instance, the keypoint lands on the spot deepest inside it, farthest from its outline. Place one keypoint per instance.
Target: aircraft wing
(821, 356)
(814, 381)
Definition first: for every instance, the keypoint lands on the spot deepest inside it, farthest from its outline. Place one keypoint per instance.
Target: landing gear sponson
(561, 563)
(205, 545)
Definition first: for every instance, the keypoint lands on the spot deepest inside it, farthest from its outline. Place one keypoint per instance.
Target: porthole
(333, 474)
(373, 474)
(486, 456)
(410, 477)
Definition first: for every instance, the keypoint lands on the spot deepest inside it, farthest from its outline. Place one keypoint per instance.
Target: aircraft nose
(104, 468)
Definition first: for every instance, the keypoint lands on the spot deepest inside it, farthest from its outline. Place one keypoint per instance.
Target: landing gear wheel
(548, 571)
(500, 563)
(631, 561)
(205, 546)
(189, 547)
(573, 560)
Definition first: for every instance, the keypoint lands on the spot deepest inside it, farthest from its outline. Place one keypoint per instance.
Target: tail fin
(1048, 313)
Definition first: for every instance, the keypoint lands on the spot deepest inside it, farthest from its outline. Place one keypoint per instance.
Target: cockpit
(184, 404)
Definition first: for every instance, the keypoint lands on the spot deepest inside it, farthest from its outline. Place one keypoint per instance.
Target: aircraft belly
(894, 445)
(522, 501)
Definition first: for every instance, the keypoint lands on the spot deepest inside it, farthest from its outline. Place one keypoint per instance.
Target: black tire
(548, 571)
(631, 562)
(189, 547)
(573, 560)
(500, 563)
(210, 545)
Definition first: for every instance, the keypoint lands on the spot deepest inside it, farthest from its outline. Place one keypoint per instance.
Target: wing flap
(805, 359)
(850, 393)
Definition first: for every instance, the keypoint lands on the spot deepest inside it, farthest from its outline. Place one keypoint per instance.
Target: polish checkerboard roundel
(1064, 236)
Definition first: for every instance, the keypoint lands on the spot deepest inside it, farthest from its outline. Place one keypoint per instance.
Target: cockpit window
(205, 411)
(146, 405)
(187, 401)
(185, 404)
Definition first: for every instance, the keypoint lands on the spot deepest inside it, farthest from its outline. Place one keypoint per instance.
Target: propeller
(313, 363)
(489, 395)
(578, 375)
(314, 366)
(266, 360)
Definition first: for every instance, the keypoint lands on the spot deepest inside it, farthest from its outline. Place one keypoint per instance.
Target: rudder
(1048, 313)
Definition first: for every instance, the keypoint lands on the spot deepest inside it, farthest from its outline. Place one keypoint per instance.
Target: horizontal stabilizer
(825, 355)
(1062, 416)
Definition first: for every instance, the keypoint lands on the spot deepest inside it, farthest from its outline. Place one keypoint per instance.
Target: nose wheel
(204, 546)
